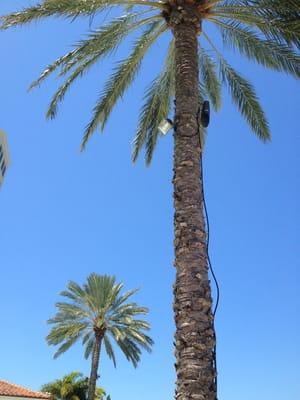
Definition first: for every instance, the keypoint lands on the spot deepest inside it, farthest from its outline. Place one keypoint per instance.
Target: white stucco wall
(17, 398)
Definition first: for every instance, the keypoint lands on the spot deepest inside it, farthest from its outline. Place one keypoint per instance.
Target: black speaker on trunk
(205, 114)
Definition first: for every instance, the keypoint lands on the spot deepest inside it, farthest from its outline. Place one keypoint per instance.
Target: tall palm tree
(97, 312)
(264, 31)
(73, 386)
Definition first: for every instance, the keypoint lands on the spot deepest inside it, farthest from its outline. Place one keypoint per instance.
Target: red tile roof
(9, 389)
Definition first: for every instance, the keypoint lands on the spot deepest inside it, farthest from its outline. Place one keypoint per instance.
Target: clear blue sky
(66, 214)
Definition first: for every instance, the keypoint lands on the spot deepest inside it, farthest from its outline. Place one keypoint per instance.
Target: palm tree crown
(98, 309)
(73, 386)
(265, 31)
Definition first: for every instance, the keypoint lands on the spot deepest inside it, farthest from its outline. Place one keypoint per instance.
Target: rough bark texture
(94, 369)
(192, 294)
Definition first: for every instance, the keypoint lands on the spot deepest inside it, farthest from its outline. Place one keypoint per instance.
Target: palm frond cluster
(73, 386)
(264, 31)
(98, 305)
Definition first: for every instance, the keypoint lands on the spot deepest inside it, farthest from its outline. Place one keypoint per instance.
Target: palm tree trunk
(194, 336)
(94, 368)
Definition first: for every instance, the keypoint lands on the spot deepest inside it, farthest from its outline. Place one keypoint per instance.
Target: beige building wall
(17, 398)
(4, 157)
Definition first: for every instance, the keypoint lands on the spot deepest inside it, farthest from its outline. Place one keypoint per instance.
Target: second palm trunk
(94, 367)
(195, 337)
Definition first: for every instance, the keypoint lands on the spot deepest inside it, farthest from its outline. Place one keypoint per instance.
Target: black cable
(213, 275)
(207, 242)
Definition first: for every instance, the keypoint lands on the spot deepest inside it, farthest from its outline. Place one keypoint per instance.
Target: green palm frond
(76, 290)
(66, 345)
(99, 289)
(130, 350)
(276, 8)
(87, 337)
(121, 79)
(128, 310)
(106, 40)
(243, 95)
(98, 44)
(49, 8)
(53, 388)
(63, 331)
(118, 301)
(89, 346)
(139, 338)
(281, 32)
(268, 53)
(278, 22)
(72, 309)
(67, 391)
(210, 80)
(281, 8)
(67, 8)
(130, 338)
(76, 294)
(52, 67)
(99, 393)
(109, 350)
(74, 397)
(156, 107)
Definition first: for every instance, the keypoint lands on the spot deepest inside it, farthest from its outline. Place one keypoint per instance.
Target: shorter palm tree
(96, 313)
(73, 386)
